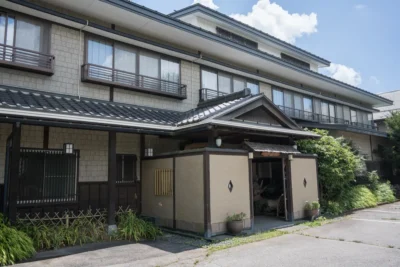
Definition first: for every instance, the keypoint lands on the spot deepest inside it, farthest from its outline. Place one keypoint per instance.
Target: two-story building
(186, 117)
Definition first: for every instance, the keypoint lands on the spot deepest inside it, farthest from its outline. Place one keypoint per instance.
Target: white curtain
(100, 53)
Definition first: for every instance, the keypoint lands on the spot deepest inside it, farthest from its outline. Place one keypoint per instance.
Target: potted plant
(234, 223)
(312, 209)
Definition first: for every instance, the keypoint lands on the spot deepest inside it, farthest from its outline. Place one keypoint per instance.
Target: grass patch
(241, 240)
(318, 222)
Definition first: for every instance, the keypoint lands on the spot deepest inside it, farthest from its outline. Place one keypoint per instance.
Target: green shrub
(79, 232)
(131, 227)
(14, 245)
(307, 206)
(315, 205)
(337, 163)
(333, 208)
(384, 193)
(357, 197)
(236, 217)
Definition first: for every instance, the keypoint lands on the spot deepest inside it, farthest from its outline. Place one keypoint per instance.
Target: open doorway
(269, 193)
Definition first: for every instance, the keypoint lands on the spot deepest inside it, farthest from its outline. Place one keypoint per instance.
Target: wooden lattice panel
(163, 183)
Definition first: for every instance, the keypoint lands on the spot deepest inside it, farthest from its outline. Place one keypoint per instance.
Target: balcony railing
(24, 59)
(311, 116)
(206, 94)
(132, 81)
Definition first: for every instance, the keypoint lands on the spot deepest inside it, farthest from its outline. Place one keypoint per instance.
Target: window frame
(232, 77)
(45, 39)
(134, 167)
(138, 50)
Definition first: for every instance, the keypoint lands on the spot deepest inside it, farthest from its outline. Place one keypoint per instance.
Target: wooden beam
(14, 172)
(112, 176)
(46, 137)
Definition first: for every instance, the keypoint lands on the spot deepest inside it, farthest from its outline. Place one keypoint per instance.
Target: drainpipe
(79, 59)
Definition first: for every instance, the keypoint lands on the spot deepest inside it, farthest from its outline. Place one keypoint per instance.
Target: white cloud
(343, 73)
(360, 6)
(375, 80)
(274, 20)
(207, 3)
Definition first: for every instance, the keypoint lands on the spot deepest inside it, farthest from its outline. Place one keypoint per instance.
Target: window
(126, 168)
(100, 53)
(346, 114)
(295, 61)
(132, 67)
(226, 83)
(353, 114)
(169, 70)
(238, 84)
(47, 175)
(163, 182)
(277, 97)
(331, 112)
(325, 109)
(236, 38)
(298, 107)
(307, 103)
(339, 113)
(288, 99)
(308, 108)
(125, 58)
(209, 80)
(253, 86)
(149, 64)
(25, 41)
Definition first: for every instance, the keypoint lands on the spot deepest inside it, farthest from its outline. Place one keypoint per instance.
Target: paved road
(366, 238)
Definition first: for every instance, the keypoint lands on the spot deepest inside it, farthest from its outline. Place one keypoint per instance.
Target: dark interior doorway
(269, 193)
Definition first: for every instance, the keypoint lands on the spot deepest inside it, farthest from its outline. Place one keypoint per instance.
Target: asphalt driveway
(366, 238)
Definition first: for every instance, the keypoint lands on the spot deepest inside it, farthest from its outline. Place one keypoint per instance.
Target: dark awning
(271, 148)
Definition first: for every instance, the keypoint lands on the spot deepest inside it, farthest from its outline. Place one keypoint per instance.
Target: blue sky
(363, 36)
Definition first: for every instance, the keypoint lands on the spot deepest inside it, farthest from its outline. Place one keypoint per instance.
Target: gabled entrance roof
(41, 107)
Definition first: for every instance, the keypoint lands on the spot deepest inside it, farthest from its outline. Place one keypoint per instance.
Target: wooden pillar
(112, 176)
(14, 172)
(212, 135)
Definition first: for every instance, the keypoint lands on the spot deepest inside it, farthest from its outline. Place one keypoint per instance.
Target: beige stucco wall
(266, 89)
(159, 207)
(225, 168)
(303, 168)
(189, 193)
(362, 141)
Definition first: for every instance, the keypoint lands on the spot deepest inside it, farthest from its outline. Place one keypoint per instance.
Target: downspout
(79, 59)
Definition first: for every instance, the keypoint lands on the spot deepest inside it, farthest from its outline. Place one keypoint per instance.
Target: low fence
(67, 217)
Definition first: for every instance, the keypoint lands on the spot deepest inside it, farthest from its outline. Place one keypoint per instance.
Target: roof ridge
(198, 5)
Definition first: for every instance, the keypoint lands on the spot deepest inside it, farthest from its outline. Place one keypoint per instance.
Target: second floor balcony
(132, 81)
(324, 119)
(24, 59)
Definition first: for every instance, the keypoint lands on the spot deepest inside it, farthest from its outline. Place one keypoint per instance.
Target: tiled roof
(202, 113)
(42, 105)
(15, 98)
